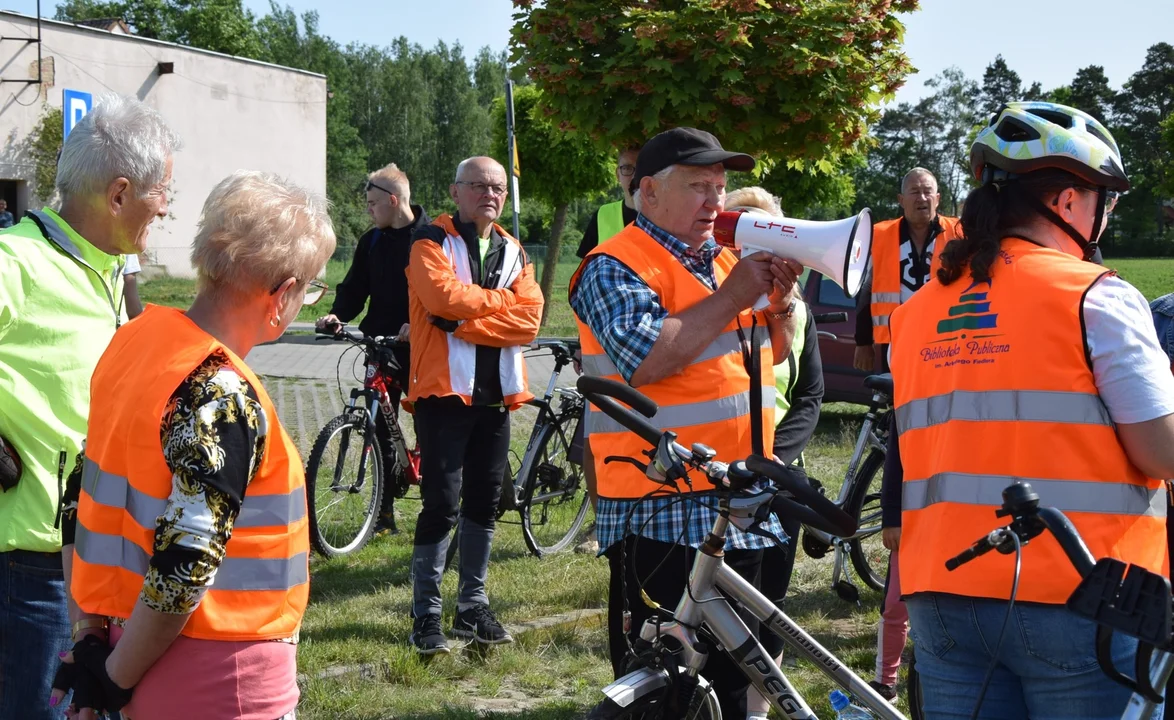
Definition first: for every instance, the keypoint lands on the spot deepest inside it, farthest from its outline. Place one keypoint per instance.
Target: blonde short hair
(753, 197)
(257, 230)
(391, 178)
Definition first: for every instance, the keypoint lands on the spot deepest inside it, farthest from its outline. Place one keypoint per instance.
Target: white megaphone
(839, 249)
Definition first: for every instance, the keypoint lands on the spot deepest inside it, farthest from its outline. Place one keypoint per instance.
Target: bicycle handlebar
(1029, 520)
(807, 505)
(341, 333)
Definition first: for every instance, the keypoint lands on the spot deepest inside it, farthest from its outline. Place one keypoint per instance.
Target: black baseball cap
(685, 146)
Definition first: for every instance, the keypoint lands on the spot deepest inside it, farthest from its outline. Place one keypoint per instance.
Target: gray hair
(659, 177)
(914, 172)
(256, 230)
(120, 137)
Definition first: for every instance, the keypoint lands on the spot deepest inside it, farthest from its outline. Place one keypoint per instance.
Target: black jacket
(378, 273)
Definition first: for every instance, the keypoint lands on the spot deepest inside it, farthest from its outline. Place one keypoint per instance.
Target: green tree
(791, 80)
(935, 134)
(1168, 160)
(1145, 102)
(221, 25)
(1000, 85)
(1090, 92)
(557, 167)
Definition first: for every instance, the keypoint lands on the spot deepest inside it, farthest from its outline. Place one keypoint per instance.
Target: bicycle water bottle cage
(1128, 599)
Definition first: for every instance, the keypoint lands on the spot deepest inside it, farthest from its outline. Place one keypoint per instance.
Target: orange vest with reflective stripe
(707, 402)
(993, 385)
(445, 365)
(886, 269)
(260, 589)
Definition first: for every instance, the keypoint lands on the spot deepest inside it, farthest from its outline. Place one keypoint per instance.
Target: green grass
(359, 615)
(179, 292)
(1154, 277)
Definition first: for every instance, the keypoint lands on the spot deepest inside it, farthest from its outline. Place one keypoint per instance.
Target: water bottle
(844, 708)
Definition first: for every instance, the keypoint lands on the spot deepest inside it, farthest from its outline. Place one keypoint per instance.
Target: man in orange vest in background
(663, 307)
(903, 259)
(473, 305)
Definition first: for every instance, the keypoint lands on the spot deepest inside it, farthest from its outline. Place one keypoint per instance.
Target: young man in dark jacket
(378, 275)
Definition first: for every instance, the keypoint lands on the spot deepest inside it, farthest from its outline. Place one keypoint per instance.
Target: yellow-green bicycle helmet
(1026, 136)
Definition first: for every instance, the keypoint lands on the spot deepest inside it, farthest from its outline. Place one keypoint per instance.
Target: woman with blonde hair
(186, 553)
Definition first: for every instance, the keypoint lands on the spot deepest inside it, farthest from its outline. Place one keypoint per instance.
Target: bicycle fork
(344, 444)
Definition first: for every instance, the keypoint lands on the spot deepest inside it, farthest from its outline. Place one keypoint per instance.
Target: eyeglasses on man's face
(315, 291)
(484, 188)
(627, 170)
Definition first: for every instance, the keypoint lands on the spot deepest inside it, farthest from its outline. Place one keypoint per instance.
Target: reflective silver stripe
(879, 320)
(879, 297)
(1004, 406)
(674, 417)
(256, 510)
(1114, 498)
(725, 344)
(233, 574)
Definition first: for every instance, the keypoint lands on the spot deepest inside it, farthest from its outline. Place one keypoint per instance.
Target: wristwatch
(784, 315)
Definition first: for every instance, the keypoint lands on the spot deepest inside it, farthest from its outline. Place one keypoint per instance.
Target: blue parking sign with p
(75, 104)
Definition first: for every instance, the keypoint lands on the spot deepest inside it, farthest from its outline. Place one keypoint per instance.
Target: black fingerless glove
(445, 325)
(89, 655)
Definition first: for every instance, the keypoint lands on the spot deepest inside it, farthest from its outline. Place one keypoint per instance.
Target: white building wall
(231, 114)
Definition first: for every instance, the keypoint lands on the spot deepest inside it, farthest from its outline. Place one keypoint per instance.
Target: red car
(841, 381)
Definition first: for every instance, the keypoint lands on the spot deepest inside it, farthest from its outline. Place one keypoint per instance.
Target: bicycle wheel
(645, 708)
(342, 504)
(554, 501)
(867, 551)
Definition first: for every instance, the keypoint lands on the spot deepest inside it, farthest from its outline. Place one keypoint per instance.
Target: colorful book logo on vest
(971, 313)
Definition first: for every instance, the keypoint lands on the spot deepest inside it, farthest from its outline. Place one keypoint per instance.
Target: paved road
(300, 375)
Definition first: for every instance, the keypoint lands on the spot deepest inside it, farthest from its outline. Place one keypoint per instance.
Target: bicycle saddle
(880, 383)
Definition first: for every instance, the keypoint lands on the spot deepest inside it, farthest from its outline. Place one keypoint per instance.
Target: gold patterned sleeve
(213, 434)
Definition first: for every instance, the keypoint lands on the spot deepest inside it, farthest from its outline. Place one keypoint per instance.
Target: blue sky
(1042, 40)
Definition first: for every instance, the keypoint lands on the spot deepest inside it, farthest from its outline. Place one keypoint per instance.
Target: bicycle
(669, 655)
(860, 497)
(344, 509)
(547, 488)
(1119, 598)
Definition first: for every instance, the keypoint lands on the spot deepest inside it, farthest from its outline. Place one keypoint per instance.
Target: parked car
(842, 382)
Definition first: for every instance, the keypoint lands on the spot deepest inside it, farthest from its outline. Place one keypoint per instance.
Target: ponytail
(990, 212)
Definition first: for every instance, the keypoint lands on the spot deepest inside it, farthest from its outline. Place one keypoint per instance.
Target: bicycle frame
(703, 604)
(546, 416)
(375, 392)
(868, 439)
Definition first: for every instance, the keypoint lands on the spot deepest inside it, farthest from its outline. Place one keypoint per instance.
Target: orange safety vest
(993, 385)
(445, 365)
(708, 402)
(261, 588)
(886, 268)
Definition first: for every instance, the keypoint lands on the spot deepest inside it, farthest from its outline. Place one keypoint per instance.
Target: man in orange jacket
(903, 252)
(473, 305)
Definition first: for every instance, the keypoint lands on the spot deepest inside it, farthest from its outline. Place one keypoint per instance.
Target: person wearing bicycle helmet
(186, 532)
(1020, 361)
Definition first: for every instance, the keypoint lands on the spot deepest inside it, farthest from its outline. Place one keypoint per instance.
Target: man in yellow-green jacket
(60, 303)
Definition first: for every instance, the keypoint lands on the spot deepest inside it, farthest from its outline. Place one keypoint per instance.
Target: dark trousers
(778, 563)
(666, 587)
(34, 627)
(463, 456)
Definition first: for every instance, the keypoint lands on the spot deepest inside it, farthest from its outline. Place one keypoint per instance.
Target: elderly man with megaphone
(663, 307)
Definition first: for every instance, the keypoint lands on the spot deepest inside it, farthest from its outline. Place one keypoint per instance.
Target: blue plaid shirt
(626, 316)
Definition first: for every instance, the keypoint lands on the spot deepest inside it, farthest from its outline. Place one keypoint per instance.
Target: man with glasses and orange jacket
(474, 307)
(376, 280)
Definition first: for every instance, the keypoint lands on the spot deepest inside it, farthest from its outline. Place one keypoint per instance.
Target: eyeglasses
(1111, 198)
(315, 291)
(373, 186)
(483, 188)
(627, 170)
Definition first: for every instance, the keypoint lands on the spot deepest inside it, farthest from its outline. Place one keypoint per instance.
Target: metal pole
(512, 151)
